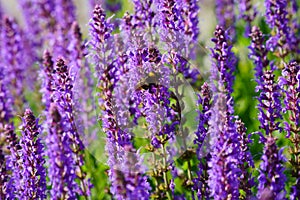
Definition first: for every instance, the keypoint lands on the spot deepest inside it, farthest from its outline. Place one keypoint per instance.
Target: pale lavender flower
(33, 174)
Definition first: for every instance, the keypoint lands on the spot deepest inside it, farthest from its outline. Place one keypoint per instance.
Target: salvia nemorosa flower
(4, 176)
(224, 62)
(65, 13)
(33, 29)
(247, 164)
(289, 83)
(33, 182)
(225, 153)
(47, 20)
(248, 13)
(224, 164)
(83, 82)
(258, 53)
(226, 16)
(277, 19)
(128, 181)
(269, 105)
(61, 169)
(205, 98)
(271, 178)
(13, 59)
(5, 101)
(48, 86)
(101, 41)
(14, 162)
(64, 98)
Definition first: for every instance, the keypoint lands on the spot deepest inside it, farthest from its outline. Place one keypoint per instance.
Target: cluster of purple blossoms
(141, 64)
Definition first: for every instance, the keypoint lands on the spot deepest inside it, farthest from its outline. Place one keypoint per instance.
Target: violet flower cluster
(128, 91)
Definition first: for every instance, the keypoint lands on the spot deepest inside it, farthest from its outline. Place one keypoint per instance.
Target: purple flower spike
(48, 79)
(201, 185)
(247, 164)
(128, 181)
(13, 59)
(226, 16)
(65, 13)
(224, 61)
(224, 164)
(61, 169)
(258, 53)
(248, 13)
(269, 103)
(33, 29)
(289, 83)
(64, 98)
(101, 41)
(4, 174)
(5, 102)
(277, 18)
(14, 162)
(271, 178)
(33, 174)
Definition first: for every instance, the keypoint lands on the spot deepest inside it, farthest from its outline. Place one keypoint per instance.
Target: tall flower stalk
(33, 174)
(290, 84)
(271, 178)
(224, 164)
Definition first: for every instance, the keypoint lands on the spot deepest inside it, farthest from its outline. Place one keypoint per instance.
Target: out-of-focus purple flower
(128, 181)
(269, 103)
(48, 86)
(258, 53)
(224, 62)
(46, 14)
(33, 174)
(83, 81)
(226, 17)
(113, 6)
(61, 169)
(248, 13)
(247, 164)
(271, 175)
(14, 162)
(4, 176)
(205, 97)
(224, 164)
(5, 101)
(13, 59)
(32, 23)
(277, 18)
(65, 13)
